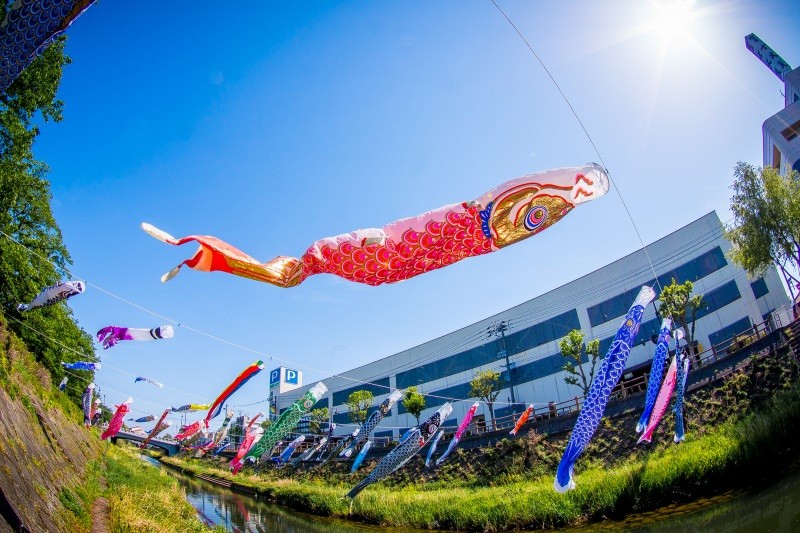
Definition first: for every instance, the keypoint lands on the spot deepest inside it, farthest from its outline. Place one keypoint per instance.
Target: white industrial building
(594, 303)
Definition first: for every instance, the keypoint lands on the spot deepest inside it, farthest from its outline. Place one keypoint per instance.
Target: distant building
(781, 131)
(594, 303)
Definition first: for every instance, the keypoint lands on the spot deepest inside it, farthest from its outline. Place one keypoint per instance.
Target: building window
(776, 157)
(693, 270)
(722, 339)
(759, 287)
(792, 131)
(378, 387)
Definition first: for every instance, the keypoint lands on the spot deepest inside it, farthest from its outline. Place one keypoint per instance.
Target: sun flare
(674, 17)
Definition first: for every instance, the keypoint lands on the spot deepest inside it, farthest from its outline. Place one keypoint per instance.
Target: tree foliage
(766, 211)
(486, 386)
(414, 402)
(574, 351)
(317, 417)
(678, 304)
(51, 333)
(358, 405)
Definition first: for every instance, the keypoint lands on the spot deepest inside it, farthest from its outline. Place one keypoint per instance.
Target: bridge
(170, 447)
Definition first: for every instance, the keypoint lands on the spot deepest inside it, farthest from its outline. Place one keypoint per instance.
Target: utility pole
(498, 329)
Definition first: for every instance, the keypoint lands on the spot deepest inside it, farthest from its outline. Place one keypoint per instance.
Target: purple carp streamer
(86, 403)
(148, 380)
(110, 335)
(462, 427)
(373, 420)
(416, 439)
(432, 448)
(603, 383)
(82, 365)
(680, 385)
(656, 372)
(509, 213)
(53, 294)
(29, 28)
(360, 457)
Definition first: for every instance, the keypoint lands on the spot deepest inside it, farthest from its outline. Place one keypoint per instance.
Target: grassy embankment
(736, 452)
(53, 469)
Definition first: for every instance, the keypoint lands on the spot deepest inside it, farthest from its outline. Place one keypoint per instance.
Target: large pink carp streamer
(53, 294)
(462, 427)
(509, 213)
(110, 335)
(662, 402)
(115, 423)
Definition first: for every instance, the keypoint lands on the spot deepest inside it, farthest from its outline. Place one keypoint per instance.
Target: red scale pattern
(442, 244)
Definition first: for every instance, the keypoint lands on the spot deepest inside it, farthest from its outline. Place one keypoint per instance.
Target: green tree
(486, 386)
(51, 334)
(678, 304)
(266, 423)
(358, 405)
(414, 402)
(573, 350)
(766, 229)
(316, 418)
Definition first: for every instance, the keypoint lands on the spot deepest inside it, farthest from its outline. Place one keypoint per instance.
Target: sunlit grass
(727, 453)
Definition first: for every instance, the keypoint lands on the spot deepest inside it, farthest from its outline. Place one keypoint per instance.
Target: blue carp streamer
(432, 448)
(408, 448)
(360, 456)
(29, 27)
(656, 373)
(680, 385)
(607, 377)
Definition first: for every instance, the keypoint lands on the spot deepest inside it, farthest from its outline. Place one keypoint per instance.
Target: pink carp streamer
(110, 335)
(115, 423)
(249, 441)
(662, 402)
(160, 426)
(190, 430)
(522, 419)
(509, 213)
(462, 427)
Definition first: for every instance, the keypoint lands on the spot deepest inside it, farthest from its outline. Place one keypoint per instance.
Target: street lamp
(498, 329)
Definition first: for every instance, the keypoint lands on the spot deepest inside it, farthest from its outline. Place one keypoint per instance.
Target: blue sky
(275, 124)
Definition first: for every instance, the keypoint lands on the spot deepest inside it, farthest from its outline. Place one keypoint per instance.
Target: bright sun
(673, 17)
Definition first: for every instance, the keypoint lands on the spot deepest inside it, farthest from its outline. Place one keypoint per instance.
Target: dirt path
(100, 512)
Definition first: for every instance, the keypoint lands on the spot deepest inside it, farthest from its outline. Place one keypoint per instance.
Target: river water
(772, 509)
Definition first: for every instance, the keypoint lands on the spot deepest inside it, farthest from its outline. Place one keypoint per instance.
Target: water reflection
(772, 509)
(218, 506)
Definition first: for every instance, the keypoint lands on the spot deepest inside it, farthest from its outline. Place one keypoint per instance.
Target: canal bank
(735, 454)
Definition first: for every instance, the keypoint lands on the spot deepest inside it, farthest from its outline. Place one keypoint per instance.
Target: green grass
(143, 498)
(730, 454)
